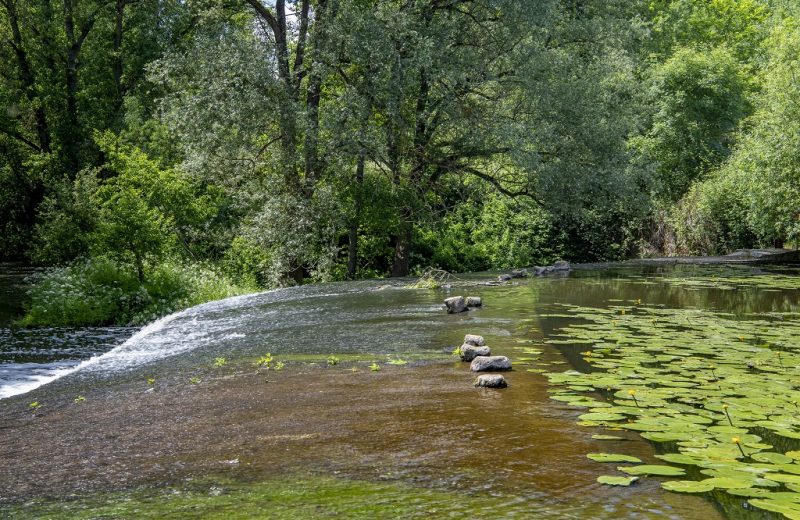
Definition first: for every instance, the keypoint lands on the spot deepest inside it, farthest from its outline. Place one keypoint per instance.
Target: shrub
(102, 291)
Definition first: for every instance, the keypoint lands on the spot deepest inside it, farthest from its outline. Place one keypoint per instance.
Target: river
(123, 409)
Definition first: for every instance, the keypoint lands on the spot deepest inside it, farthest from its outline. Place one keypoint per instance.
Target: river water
(30, 358)
(422, 420)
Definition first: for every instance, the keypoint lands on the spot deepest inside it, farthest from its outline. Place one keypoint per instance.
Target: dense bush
(497, 234)
(102, 291)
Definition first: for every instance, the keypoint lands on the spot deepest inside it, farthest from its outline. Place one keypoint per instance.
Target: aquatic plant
(431, 278)
(194, 380)
(220, 362)
(151, 381)
(264, 363)
(374, 367)
(332, 360)
(34, 406)
(397, 361)
(707, 387)
(79, 399)
(280, 365)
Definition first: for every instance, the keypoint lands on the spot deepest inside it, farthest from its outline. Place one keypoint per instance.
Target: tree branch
(19, 137)
(266, 14)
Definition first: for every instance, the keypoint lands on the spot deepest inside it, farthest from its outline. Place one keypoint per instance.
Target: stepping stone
(491, 381)
(469, 352)
(474, 339)
(455, 304)
(490, 363)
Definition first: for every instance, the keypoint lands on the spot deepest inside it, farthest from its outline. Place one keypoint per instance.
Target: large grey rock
(561, 265)
(470, 352)
(491, 381)
(490, 363)
(519, 273)
(455, 304)
(474, 301)
(504, 278)
(539, 271)
(474, 339)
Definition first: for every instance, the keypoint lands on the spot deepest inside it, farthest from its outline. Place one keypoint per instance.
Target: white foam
(34, 380)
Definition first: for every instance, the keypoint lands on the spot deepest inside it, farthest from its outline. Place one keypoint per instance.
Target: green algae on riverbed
(718, 394)
(276, 499)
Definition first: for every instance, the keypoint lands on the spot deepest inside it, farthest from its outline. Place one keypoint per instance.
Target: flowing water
(156, 409)
(31, 358)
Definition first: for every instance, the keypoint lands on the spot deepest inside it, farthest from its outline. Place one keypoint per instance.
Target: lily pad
(653, 469)
(600, 437)
(616, 481)
(612, 457)
(687, 486)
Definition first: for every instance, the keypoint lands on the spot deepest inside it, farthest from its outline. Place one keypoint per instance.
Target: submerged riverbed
(176, 419)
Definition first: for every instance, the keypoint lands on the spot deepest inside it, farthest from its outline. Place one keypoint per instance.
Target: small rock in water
(469, 352)
(474, 339)
(455, 304)
(474, 301)
(491, 381)
(490, 363)
(561, 265)
(504, 278)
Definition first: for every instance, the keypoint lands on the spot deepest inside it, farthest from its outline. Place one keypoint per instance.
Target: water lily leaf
(679, 458)
(600, 416)
(666, 436)
(599, 437)
(653, 469)
(783, 477)
(687, 486)
(616, 481)
(772, 457)
(730, 482)
(788, 509)
(612, 457)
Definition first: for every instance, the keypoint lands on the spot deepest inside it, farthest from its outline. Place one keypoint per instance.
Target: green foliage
(495, 233)
(712, 218)
(246, 262)
(699, 96)
(737, 24)
(768, 159)
(102, 291)
(66, 219)
(332, 360)
(497, 135)
(752, 198)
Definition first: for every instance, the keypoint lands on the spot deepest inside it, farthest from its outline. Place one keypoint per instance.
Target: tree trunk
(118, 65)
(352, 232)
(71, 80)
(402, 249)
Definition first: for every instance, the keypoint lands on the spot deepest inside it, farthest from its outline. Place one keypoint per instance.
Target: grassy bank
(104, 292)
